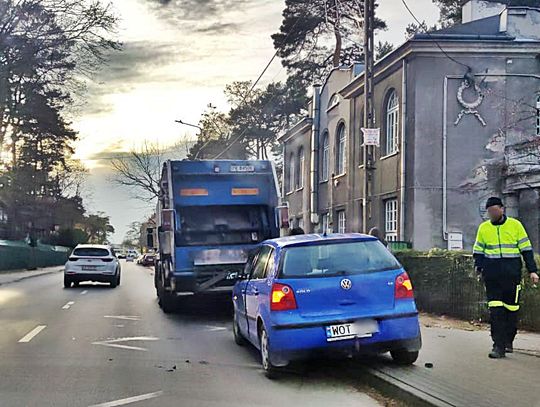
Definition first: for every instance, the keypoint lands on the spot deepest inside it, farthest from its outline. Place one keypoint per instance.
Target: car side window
(249, 264)
(271, 262)
(259, 271)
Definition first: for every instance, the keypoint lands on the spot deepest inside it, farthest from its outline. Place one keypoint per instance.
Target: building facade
(459, 118)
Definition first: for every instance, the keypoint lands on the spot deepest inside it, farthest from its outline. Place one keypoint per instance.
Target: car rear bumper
(97, 277)
(401, 333)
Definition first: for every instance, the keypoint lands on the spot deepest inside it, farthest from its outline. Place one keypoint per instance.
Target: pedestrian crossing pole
(369, 119)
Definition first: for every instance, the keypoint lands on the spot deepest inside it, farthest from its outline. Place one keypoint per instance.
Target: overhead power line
(434, 40)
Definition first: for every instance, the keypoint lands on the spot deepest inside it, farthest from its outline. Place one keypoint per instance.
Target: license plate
(359, 329)
(242, 168)
(89, 268)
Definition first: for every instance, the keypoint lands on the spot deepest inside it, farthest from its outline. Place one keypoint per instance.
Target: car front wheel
(238, 337)
(403, 357)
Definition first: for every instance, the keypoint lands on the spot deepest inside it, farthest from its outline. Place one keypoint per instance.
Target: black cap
(494, 201)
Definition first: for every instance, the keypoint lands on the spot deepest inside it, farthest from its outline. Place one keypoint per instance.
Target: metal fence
(18, 255)
(448, 285)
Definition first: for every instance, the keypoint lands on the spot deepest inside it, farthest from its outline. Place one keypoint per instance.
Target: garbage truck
(210, 214)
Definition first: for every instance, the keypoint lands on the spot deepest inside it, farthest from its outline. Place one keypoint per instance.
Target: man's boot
(497, 353)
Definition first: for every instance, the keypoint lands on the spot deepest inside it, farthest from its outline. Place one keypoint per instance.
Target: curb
(400, 390)
(31, 276)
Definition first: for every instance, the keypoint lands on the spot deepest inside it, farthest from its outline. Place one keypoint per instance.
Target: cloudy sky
(178, 56)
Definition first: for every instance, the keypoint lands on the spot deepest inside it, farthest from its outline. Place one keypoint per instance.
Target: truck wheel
(166, 299)
(403, 357)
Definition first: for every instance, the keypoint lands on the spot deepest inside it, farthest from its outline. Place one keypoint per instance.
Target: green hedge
(18, 255)
(446, 283)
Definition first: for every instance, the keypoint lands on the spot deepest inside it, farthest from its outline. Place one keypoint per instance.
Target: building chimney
(478, 9)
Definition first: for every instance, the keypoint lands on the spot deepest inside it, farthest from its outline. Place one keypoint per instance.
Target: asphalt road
(96, 346)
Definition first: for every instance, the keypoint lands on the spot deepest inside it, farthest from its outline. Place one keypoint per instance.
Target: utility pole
(369, 118)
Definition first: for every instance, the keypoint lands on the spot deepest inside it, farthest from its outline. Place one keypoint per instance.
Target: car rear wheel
(75, 284)
(67, 282)
(270, 371)
(238, 337)
(114, 282)
(404, 357)
(118, 279)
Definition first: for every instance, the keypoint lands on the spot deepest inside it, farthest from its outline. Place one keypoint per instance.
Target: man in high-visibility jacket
(500, 243)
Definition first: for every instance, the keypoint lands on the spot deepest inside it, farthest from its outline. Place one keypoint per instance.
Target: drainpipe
(403, 146)
(314, 178)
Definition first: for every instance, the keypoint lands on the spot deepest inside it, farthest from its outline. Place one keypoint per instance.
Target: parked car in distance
(92, 263)
(147, 259)
(312, 294)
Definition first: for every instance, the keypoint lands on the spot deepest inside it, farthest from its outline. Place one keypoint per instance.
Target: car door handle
(255, 291)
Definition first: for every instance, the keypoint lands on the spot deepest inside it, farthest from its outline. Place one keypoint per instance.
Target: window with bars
(392, 124)
(325, 158)
(324, 222)
(342, 222)
(341, 157)
(391, 220)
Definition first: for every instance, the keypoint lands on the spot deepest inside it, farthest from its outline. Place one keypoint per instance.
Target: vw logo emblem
(346, 284)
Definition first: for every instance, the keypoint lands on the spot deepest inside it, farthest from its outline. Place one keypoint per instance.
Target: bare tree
(140, 171)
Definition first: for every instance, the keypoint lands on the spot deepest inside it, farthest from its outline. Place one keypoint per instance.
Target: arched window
(334, 101)
(290, 186)
(325, 157)
(392, 124)
(341, 160)
(538, 115)
(301, 168)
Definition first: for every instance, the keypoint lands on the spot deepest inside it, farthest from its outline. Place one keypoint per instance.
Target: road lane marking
(84, 292)
(68, 305)
(130, 400)
(215, 328)
(117, 343)
(124, 317)
(30, 335)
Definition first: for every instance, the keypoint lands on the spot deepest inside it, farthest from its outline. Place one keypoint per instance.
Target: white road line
(68, 305)
(84, 292)
(130, 400)
(116, 343)
(30, 335)
(124, 317)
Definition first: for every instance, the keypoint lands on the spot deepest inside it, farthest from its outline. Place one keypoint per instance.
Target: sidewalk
(8, 277)
(462, 374)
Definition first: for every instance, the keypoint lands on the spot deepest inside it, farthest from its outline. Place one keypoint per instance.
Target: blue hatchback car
(309, 294)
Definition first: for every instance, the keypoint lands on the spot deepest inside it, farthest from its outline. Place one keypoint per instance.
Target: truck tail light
(282, 298)
(404, 287)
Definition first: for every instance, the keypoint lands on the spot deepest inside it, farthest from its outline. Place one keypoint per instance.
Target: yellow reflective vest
(502, 241)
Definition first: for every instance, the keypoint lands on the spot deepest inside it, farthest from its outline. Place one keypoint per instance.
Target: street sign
(372, 137)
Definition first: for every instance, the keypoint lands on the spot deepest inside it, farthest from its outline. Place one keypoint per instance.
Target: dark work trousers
(503, 302)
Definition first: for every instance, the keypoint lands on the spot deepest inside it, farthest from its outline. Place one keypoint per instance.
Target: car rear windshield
(91, 252)
(337, 259)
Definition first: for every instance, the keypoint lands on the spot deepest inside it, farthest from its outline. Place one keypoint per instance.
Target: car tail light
(73, 259)
(282, 298)
(107, 260)
(404, 287)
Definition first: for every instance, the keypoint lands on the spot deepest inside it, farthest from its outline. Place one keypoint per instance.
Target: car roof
(318, 238)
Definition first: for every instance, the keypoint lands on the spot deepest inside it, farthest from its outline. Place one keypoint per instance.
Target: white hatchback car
(92, 263)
